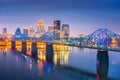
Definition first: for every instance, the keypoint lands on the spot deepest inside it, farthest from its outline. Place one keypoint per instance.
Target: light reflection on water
(71, 58)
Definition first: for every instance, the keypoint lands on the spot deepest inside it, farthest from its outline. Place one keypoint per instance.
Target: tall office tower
(4, 30)
(31, 32)
(57, 28)
(65, 30)
(25, 31)
(50, 29)
(40, 28)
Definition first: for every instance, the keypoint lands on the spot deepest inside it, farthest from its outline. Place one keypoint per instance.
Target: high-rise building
(25, 31)
(57, 28)
(4, 30)
(31, 32)
(40, 28)
(40, 25)
(50, 29)
(65, 30)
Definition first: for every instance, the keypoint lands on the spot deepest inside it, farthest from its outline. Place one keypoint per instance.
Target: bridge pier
(102, 64)
(24, 47)
(34, 50)
(49, 52)
(13, 46)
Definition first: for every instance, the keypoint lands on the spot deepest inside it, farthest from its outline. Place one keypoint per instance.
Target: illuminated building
(37, 35)
(4, 30)
(50, 29)
(40, 28)
(62, 34)
(57, 28)
(18, 31)
(9, 36)
(18, 35)
(40, 25)
(65, 30)
(31, 32)
(5, 34)
(25, 31)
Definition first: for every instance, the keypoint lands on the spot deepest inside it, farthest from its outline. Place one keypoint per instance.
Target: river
(69, 63)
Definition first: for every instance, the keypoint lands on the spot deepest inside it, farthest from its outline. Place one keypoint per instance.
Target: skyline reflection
(61, 57)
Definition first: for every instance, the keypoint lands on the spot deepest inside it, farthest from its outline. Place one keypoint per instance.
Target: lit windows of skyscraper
(40, 28)
(57, 24)
(5, 34)
(65, 30)
(4, 30)
(57, 28)
(31, 32)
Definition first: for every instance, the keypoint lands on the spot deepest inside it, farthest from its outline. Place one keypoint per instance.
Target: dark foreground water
(76, 64)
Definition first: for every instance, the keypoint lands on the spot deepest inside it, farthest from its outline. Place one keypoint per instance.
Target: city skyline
(82, 16)
(59, 39)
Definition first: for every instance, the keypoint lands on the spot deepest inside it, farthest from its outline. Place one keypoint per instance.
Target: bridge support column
(102, 64)
(24, 47)
(49, 52)
(34, 50)
(13, 45)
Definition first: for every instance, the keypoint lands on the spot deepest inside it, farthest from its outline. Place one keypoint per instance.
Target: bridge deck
(90, 47)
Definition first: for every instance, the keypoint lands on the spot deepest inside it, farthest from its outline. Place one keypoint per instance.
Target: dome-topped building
(40, 23)
(40, 28)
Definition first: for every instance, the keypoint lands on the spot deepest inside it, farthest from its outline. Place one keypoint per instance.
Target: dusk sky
(83, 16)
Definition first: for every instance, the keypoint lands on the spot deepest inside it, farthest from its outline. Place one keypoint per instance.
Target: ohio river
(71, 64)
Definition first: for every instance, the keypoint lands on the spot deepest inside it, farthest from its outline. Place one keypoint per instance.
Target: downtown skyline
(82, 16)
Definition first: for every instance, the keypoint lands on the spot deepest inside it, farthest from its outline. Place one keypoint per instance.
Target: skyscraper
(25, 31)
(40, 25)
(65, 30)
(31, 32)
(40, 28)
(4, 30)
(50, 29)
(57, 28)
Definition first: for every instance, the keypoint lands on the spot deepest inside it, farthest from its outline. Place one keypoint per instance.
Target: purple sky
(83, 16)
